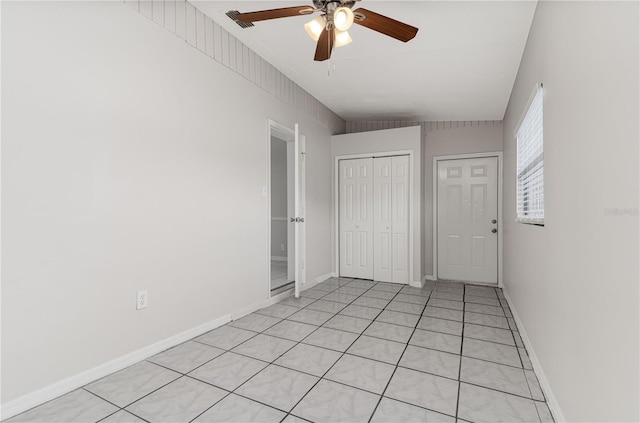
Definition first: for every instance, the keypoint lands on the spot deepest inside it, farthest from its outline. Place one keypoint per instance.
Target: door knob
(293, 219)
(494, 230)
(494, 221)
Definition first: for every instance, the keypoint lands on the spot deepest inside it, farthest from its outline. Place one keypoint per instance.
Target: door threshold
(282, 288)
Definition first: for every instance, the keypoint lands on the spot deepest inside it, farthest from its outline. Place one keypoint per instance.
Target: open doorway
(287, 234)
(282, 211)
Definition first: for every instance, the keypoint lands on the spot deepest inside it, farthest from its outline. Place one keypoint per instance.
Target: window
(530, 166)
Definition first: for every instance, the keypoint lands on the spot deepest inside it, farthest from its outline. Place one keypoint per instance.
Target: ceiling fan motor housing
(322, 4)
(330, 28)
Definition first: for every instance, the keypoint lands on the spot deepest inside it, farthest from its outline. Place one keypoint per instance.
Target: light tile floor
(346, 351)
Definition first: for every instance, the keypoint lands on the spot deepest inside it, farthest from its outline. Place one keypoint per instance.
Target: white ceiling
(460, 66)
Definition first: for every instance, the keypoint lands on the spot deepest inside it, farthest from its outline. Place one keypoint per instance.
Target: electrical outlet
(281, 247)
(142, 299)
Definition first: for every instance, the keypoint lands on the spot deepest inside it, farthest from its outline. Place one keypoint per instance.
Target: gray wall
(132, 160)
(574, 282)
(278, 197)
(383, 141)
(446, 139)
(440, 139)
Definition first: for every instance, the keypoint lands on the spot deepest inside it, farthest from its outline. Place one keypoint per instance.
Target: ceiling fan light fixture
(315, 27)
(342, 18)
(342, 38)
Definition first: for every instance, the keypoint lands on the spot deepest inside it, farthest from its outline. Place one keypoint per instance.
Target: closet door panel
(400, 218)
(356, 218)
(382, 211)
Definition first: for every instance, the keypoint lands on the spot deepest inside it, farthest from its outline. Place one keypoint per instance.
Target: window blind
(530, 164)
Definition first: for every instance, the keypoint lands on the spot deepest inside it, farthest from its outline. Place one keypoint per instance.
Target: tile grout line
(335, 287)
(342, 353)
(273, 362)
(186, 374)
(268, 363)
(359, 336)
(399, 359)
(464, 291)
(115, 405)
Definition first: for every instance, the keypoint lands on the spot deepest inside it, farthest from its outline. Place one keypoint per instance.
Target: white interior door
(467, 213)
(291, 212)
(300, 233)
(400, 218)
(356, 218)
(382, 220)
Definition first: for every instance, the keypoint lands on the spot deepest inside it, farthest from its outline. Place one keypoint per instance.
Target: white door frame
(336, 196)
(434, 192)
(288, 135)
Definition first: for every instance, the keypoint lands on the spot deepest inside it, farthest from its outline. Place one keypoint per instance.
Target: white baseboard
(278, 258)
(319, 279)
(69, 384)
(416, 284)
(262, 304)
(325, 277)
(430, 278)
(558, 416)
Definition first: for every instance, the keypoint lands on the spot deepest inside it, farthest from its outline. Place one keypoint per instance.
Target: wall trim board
(262, 304)
(552, 402)
(324, 277)
(430, 278)
(69, 384)
(416, 284)
(257, 71)
(319, 279)
(376, 125)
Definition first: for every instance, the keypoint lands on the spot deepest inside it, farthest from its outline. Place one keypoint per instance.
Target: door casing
(434, 193)
(288, 135)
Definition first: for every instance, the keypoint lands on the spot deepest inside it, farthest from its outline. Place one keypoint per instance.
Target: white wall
(278, 197)
(401, 139)
(131, 160)
(574, 282)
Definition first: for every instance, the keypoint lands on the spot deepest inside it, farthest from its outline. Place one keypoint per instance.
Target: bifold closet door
(400, 218)
(356, 218)
(374, 218)
(391, 219)
(382, 220)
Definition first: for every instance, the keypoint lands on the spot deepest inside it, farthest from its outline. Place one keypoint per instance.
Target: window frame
(538, 93)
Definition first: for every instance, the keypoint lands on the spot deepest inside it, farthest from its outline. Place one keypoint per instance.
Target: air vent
(233, 14)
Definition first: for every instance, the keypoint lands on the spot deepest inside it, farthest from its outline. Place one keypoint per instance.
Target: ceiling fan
(330, 29)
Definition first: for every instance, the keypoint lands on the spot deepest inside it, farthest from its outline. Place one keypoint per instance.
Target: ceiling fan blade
(284, 12)
(325, 45)
(387, 26)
